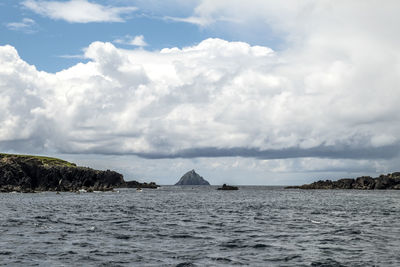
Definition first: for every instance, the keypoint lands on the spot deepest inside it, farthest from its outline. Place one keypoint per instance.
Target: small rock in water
(228, 187)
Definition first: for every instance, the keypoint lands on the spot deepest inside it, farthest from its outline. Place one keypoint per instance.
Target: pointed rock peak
(192, 178)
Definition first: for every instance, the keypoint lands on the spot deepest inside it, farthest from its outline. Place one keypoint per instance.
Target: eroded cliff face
(389, 181)
(30, 173)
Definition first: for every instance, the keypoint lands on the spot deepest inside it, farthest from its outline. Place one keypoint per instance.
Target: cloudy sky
(245, 92)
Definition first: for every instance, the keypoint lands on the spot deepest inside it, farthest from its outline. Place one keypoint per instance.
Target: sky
(255, 92)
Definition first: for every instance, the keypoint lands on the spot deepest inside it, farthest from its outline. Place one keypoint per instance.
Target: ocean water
(200, 226)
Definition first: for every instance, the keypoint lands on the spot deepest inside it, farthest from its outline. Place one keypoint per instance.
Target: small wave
(202, 227)
(233, 244)
(327, 262)
(185, 264)
(347, 231)
(181, 236)
(291, 257)
(82, 244)
(121, 222)
(123, 237)
(221, 259)
(42, 232)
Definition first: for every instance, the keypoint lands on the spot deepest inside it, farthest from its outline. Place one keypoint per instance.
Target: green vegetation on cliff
(41, 160)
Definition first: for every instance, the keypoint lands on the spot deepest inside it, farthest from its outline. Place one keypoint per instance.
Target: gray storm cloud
(332, 92)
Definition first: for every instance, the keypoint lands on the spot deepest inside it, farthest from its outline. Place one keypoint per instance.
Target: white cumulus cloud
(216, 98)
(78, 11)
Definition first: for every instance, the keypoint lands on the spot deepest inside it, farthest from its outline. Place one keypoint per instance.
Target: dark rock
(136, 184)
(228, 187)
(345, 183)
(389, 181)
(28, 174)
(396, 187)
(192, 178)
(364, 182)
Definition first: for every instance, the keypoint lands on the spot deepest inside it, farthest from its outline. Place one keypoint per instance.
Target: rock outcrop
(228, 187)
(389, 181)
(136, 184)
(192, 178)
(24, 173)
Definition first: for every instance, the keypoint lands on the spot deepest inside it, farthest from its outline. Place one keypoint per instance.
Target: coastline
(30, 174)
(389, 181)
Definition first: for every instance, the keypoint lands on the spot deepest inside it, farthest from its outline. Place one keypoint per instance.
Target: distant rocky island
(25, 173)
(192, 178)
(228, 187)
(388, 181)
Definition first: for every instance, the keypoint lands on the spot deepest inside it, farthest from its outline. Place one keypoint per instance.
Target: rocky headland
(24, 173)
(384, 181)
(192, 178)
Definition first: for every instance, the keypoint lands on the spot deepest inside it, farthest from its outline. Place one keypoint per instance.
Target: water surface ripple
(200, 226)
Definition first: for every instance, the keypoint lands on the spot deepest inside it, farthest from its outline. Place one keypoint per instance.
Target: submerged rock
(192, 178)
(389, 181)
(228, 187)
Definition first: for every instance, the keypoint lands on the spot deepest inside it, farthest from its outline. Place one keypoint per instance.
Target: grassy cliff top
(46, 161)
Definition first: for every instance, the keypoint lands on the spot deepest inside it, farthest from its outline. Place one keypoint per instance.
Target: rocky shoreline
(29, 174)
(136, 184)
(384, 181)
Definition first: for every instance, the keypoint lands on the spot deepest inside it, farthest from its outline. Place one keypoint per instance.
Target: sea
(201, 226)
